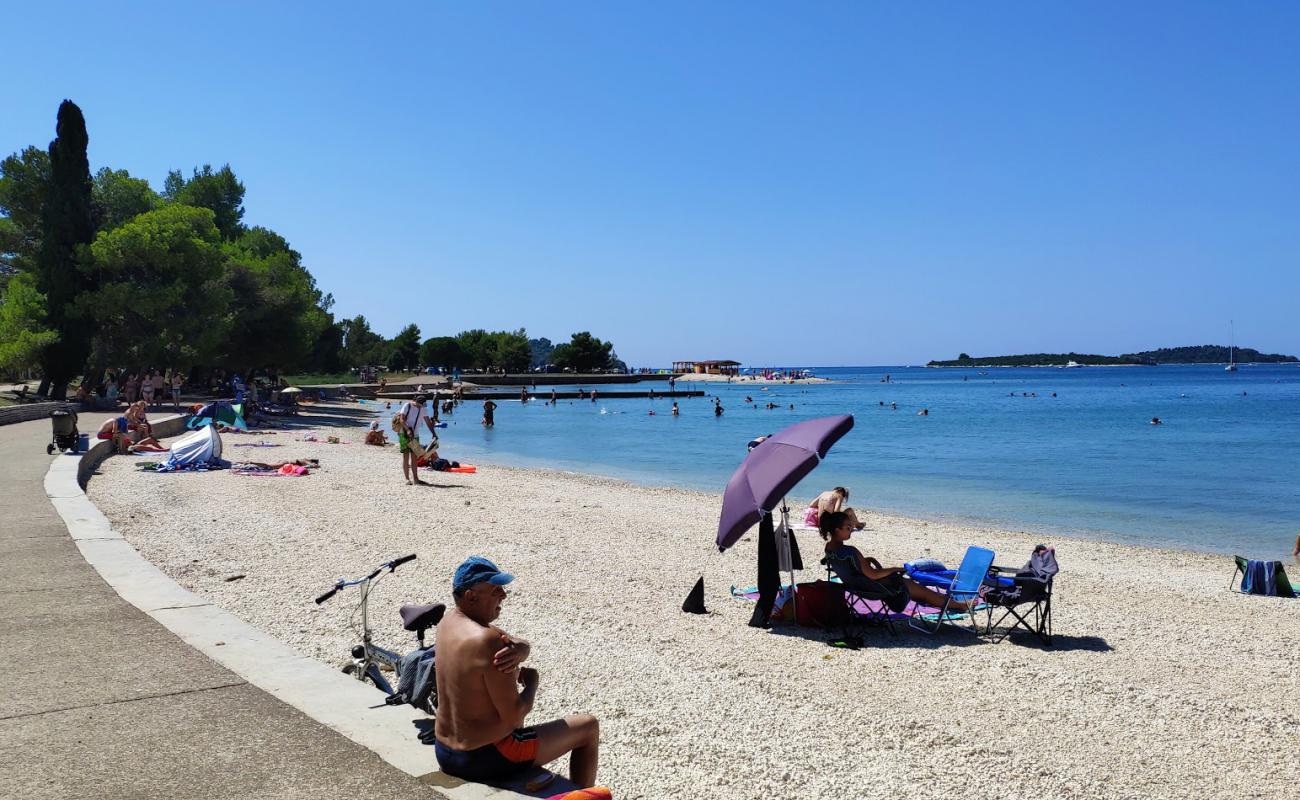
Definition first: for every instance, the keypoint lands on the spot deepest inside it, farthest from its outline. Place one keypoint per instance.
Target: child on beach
(375, 436)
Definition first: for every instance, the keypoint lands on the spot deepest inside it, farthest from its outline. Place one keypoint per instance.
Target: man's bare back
(467, 717)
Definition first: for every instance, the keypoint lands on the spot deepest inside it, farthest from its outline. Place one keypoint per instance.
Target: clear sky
(785, 183)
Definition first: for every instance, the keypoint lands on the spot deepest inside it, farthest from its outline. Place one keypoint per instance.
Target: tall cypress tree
(68, 229)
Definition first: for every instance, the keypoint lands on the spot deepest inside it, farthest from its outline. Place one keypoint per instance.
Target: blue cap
(475, 570)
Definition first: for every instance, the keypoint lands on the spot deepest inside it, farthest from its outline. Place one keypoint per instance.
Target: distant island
(1198, 354)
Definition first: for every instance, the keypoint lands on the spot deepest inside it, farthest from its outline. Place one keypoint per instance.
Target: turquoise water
(1220, 474)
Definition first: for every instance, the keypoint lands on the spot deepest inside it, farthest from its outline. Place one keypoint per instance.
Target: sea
(1059, 451)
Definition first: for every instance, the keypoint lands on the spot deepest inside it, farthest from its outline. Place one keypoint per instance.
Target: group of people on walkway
(153, 387)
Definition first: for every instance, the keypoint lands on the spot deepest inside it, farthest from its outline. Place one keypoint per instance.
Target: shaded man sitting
(480, 728)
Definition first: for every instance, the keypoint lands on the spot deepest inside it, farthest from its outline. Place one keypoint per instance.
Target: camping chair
(965, 586)
(1028, 590)
(856, 585)
(1247, 585)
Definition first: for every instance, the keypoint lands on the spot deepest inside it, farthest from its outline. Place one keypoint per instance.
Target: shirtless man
(479, 730)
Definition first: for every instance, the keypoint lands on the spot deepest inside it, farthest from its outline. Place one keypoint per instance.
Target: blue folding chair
(964, 587)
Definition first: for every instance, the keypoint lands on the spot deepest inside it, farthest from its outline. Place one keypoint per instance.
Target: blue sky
(815, 183)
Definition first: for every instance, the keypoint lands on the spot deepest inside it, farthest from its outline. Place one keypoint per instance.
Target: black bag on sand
(695, 600)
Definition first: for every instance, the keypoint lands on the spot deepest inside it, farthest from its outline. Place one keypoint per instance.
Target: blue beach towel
(1261, 577)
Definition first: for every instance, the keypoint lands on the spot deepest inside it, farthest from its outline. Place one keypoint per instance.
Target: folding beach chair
(1261, 577)
(857, 586)
(1032, 586)
(964, 587)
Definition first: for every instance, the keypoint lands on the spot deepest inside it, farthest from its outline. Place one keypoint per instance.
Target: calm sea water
(1220, 474)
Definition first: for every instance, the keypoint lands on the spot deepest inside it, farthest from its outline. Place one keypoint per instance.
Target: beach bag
(819, 605)
(417, 685)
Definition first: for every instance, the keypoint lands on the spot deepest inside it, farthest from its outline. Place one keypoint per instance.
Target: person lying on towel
(836, 527)
(479, 729)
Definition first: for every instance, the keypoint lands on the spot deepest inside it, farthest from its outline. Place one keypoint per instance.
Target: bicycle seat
(421, 617)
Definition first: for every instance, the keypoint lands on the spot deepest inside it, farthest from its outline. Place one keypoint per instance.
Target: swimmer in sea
(676, 412)
(925, 412)
(1156, 421)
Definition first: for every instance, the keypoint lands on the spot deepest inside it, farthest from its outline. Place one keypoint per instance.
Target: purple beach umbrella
(772, 469)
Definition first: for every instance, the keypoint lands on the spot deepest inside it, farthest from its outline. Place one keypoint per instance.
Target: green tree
(583, 353)
(119, 198)
(476, 348)
(511, 351)
(442, 351)
(541, 352)
(24, 181)
(275, 313)
(218, 191)
(23, 333)
(405, 348)
(361, 346)
(507, 350)
(327, 350)
(67, 228)
(162, 297)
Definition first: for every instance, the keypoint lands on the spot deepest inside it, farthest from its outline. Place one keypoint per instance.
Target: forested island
(1197, 354)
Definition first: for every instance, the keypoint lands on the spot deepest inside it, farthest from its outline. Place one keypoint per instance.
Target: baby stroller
(66, 436)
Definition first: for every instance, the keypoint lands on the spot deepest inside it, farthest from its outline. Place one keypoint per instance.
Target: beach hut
(714, 367)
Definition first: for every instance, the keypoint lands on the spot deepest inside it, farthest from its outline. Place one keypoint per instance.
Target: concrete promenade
(101, 701)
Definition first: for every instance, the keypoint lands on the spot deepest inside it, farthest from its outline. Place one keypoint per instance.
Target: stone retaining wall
(30, 411)
(162, 428)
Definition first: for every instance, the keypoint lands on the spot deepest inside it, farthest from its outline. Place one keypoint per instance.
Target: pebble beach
(1161, 683)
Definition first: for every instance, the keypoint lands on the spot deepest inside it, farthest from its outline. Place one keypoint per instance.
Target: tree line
(102, 270)
(512, 351)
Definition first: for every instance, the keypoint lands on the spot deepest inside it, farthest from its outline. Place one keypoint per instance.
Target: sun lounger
(964, 587)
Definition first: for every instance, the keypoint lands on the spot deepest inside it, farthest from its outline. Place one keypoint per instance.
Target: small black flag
(695, 600)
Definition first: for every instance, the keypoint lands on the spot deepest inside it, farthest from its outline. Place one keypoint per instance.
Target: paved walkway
(100, 701)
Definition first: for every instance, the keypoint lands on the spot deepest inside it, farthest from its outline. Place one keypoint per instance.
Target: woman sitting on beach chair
(836, 527)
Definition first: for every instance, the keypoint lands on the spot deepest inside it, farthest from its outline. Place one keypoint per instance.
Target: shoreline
(1149, 641)
(1045, 532)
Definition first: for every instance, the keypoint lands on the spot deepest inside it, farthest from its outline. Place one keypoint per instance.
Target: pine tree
(68, 228)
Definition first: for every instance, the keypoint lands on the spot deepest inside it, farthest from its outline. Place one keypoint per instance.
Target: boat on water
(1232, 346)
(1072, 365)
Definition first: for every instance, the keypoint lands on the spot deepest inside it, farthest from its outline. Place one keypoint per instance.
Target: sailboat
(1232, 361)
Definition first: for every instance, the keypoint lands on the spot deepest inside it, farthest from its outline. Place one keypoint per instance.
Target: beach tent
(195, 450)
(221, 412)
